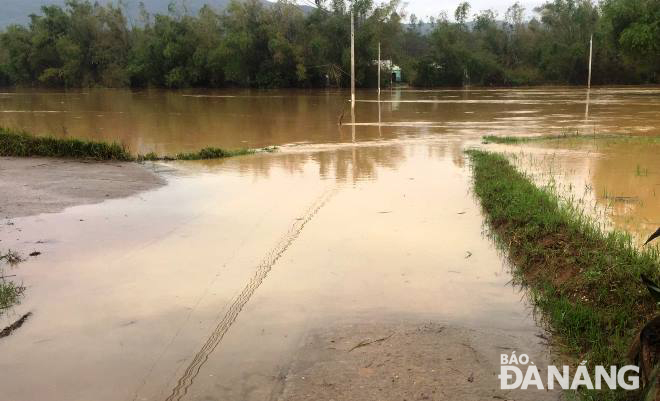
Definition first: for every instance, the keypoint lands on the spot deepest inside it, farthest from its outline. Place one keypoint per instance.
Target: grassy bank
(21, 144)
(586, 281)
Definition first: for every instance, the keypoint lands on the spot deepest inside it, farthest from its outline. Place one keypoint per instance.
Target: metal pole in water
(379, 130)
(591, 50)
(352, 62)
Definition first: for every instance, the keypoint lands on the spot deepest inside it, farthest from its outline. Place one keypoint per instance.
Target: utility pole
(591, 50)
(378, 68)
(352, 62)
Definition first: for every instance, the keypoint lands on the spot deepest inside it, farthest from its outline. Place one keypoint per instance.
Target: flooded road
(259, 250)
(209, 287)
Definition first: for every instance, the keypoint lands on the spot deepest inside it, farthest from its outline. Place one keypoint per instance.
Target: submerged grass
(568, 136)
(522, 139)
(585, 280)
(10, 292)
(21, 144)
(213, 153)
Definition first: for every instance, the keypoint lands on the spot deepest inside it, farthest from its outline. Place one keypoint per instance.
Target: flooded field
(227, 282)
(169, 122)
(616, 181)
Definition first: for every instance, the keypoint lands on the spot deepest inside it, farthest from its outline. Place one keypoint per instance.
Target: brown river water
(203, 289)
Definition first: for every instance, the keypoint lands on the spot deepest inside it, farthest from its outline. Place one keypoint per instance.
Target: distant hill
(424, 28)
(17, 11)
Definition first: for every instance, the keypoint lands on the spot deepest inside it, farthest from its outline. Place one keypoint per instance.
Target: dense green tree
(568, 25)
(16, 47)
(633, 28)
(257, 44)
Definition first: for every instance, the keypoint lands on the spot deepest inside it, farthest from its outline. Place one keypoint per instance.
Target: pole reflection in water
(353, 124)
(380, 132)
(586, 107)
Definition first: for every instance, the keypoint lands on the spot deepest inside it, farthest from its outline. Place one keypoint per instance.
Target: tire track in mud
(202, 356)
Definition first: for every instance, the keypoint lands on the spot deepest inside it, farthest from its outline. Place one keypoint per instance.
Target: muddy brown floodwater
(169, 121)
(350, 265)
(616, 181)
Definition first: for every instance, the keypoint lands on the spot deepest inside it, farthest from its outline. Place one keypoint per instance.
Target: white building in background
(393, 69)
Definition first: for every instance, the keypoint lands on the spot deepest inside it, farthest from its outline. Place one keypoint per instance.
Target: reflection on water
(174, 121)
(343, 163)
(586, 106)
(159, 271)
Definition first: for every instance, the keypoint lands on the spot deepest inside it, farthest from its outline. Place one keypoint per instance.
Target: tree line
(266, 45)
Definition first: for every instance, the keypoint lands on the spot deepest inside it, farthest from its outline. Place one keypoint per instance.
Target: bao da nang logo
(519, 372)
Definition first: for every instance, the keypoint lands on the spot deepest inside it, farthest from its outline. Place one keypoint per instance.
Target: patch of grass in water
(641, 171)
(585, 280)
(203, 154)
(522, 139)
(10, 292)
(568, 136)
(212, 153)
(11, 258)
(21, 144)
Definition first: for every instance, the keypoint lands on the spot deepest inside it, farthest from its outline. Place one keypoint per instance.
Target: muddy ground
(406, 361)
(30, 186)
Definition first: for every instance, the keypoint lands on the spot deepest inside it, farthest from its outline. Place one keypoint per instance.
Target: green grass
(641, 171)
(9, 291)
(522, 139)
(213, 153)
(586, 281)
(21, 144)
(204, 154)
(569, 136)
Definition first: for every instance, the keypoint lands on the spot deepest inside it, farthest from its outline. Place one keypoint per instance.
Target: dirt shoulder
(30, 186)
(426, 361)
